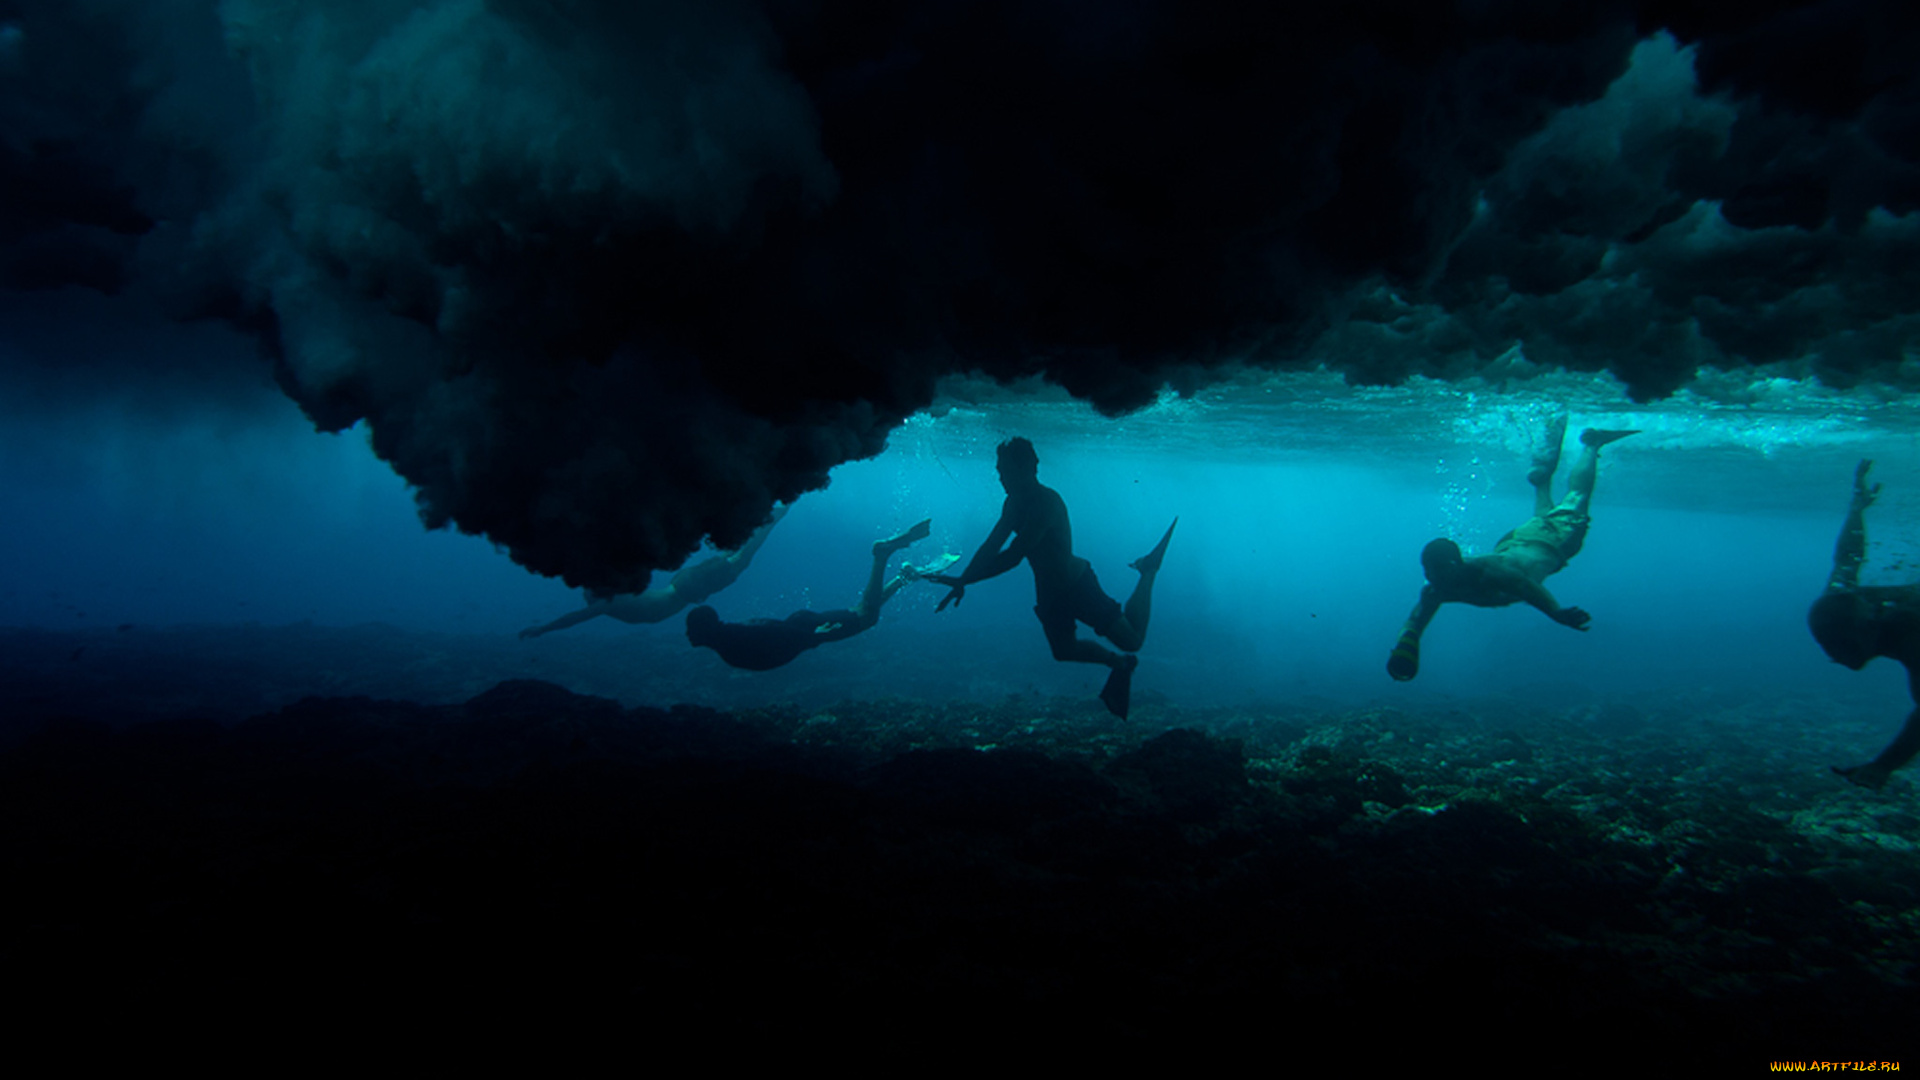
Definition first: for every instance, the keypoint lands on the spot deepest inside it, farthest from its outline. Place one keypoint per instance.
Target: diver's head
(1441, 559)
(1018, 463)
(1843, 623)
(703, 625)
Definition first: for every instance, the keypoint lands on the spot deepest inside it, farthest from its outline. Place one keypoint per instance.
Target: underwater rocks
(1208, 871)
(1193, 777)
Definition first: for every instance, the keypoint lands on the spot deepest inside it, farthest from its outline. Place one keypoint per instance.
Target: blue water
(1303, 505)
(616, 271)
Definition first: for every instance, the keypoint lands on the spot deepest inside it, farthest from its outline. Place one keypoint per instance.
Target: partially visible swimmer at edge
(692, 585)
(1855, 623)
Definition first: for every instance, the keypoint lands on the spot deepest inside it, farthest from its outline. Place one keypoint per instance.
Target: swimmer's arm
(1536, 595)
(1904, 746)
(574, 618)
(994, 558)
(1404, 663)
(1033, 527)
(1423, 611)
(1901, 750)
(1027, 522)
(987, 562)
(1850, 551)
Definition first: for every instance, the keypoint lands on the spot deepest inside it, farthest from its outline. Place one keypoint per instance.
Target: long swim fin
(1150, 562)
(1404, 664)
(1117, 694)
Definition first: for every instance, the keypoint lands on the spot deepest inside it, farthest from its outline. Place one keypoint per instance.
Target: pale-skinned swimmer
(1855, 623)
(1065, 589)
(765, 644)
(1515, 571)
(692, 585)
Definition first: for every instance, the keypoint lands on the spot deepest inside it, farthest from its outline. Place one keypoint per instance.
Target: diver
(1524, 558)
(692, 585)
(1856, 623)
(1064, 586)
(765, 644)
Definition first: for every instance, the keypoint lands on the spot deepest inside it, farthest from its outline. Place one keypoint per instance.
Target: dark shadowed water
(1650, 801)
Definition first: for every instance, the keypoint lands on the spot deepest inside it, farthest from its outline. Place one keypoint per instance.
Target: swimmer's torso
(1487, 580)
(1039, 520)
(1532, 560)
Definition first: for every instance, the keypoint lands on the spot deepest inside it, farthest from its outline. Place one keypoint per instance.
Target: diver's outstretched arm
(987, 562)
(636, 609)
(1537, 595)
(1900, 751)
(1404, 663)
(593, 610)
(1850, 551)
(995, 556)
(990, 565)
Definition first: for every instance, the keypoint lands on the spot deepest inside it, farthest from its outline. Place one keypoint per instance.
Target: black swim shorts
(1083, 600)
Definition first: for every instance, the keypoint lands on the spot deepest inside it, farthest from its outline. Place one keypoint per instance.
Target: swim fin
(1150, 562)
(939, 563)
(1404, 664)
(936, 565)
(1598, 437)
(1117, 695)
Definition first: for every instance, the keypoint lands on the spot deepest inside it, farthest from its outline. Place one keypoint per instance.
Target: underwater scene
(1255, 534)
(1638, 824)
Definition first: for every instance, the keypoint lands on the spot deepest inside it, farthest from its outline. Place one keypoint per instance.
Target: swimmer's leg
(695, 583)
(910, 573)
(1587, 469)
(1069, 647)
(1117, 694)
(744, 555)
(1546, 461)
(920, 531)
(651, 606)
(1131, 631)
(876, 594)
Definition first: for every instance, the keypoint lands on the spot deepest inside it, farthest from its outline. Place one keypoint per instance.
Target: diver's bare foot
(1546, 456)
(919, 532)
(1150, 562)
(1598, 437)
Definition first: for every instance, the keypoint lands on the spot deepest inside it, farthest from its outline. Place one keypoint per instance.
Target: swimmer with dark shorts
(1064, 586)
(765, 644)
(1514, 572)
(692, 585)
(1855, 623)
